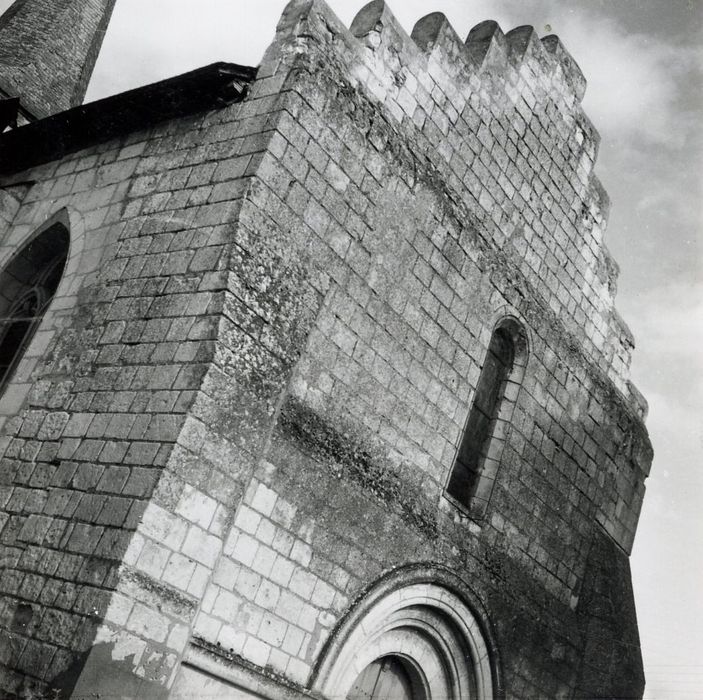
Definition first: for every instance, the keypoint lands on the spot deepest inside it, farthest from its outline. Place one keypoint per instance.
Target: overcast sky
(642, 59)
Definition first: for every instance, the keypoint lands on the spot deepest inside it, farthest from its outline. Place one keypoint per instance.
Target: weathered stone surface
(48, 49)
(611, 664)
(240, 412)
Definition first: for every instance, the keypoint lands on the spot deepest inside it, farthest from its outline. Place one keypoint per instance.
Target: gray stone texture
(248, 396)
(48, 49)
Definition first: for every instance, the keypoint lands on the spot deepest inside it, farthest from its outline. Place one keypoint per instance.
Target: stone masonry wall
(100, 403)
(48, 49)
(252, 394)
(416, 265)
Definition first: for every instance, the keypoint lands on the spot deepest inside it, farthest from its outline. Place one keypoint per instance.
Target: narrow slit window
(27, 286)
(476, 463)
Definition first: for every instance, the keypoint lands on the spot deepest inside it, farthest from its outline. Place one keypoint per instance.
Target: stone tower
(312, 384)
(48, 49)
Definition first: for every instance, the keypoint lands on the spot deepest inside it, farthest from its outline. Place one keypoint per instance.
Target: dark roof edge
(46, 139)
(8, 94)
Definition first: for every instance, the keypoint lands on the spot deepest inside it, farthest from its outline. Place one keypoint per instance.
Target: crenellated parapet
(498, 118)
(489, 143)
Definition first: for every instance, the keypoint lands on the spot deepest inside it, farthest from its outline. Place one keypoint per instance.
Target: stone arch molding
(511, 320)
(75, 267)
(423, 618)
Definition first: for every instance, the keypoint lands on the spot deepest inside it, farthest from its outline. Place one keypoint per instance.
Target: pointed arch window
(476, 463)
(27, 286)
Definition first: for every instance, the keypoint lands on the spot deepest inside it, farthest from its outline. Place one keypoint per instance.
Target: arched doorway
(410, 639)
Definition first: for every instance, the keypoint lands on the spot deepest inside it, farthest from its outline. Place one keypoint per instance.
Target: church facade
(311, 379)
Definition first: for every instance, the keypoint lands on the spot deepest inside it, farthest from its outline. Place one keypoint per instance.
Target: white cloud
(669, 320)
(636, 81)
(667, 368)
(636, 84)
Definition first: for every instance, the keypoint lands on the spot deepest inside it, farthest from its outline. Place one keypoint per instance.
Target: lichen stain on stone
(165, 598)
(351, 458)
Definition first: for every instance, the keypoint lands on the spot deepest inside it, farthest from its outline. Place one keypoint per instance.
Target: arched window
(27, 286)
(476, 464)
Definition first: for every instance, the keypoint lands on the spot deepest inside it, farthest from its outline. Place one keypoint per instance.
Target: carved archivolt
(423, 625)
